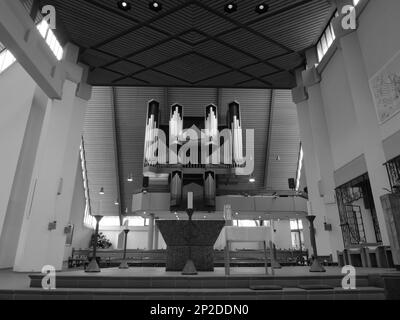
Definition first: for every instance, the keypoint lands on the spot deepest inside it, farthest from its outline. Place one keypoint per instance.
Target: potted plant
(102, 241)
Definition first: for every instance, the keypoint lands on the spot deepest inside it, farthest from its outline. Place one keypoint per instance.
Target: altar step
(227, 294)
(99, 281)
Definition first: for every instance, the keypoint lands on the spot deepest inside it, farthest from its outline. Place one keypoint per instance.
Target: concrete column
(15, 108)
(150, 233)
(53, 179)
(156, 236)
(323, 153)
(14, 213)
(312, 169)
(367, 121)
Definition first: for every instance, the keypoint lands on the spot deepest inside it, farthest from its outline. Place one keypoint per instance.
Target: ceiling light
(230, 7)
(262, 8)
(101, 191)
(124, 5)
(116, 202)
(155, 6)
(252, 180)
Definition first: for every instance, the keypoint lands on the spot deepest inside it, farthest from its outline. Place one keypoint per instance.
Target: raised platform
(289, 283)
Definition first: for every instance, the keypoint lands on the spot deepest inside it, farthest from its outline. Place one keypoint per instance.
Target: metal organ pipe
(152, 123)
(236, 127)
(209, 188)
(176, 188)
(175, 131)
(212, 134)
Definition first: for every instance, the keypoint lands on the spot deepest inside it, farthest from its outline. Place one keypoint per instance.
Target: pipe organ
(177, 156)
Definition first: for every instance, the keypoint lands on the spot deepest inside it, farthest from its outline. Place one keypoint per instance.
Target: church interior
(200, 149)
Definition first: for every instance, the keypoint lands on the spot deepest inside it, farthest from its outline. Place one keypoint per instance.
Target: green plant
(102, 241)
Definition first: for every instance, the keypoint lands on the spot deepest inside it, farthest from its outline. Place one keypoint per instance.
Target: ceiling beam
(240, 25)
(147, 23)
(19, 34)
(265, 16)
(234, 69)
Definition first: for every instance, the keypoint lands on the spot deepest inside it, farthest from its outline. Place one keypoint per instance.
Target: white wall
(82, 234)
(379, 40)
(137, 238)
(339, 113)
(378, 36)
(282, 238)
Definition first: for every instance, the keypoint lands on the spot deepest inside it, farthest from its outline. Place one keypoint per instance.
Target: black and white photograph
(200, 158)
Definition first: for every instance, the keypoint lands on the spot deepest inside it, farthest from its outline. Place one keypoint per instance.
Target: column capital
(299, 94)
(311, 77)
(84, 90)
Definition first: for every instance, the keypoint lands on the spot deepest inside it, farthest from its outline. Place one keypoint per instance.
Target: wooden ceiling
(192, 43)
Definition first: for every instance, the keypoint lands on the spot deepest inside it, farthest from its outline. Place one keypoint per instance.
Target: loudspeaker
(292, 183)
(145, 182)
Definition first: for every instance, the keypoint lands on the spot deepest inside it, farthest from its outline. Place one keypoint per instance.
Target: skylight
(328, 37)
(7, 58)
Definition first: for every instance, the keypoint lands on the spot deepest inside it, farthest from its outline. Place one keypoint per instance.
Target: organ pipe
(235, 125)
(151, 136)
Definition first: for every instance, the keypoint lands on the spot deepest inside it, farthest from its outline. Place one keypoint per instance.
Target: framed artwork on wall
(385, 87)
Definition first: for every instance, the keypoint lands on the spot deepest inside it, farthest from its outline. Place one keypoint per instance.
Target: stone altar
(198, 234)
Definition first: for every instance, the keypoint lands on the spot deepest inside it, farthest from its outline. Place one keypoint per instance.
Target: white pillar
(150, 233)
(17, 91)
(312, 169)
(367, 121)
(53, 179)
(323, 153)
(14, 213)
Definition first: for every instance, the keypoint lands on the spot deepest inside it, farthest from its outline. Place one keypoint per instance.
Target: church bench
(284, 257)
(112, 257)
(81, 257)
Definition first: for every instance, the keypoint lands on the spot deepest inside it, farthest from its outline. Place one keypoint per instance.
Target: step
(192, 282)
(364, 293)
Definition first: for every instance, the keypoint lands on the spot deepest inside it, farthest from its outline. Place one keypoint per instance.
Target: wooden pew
(112, 257)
